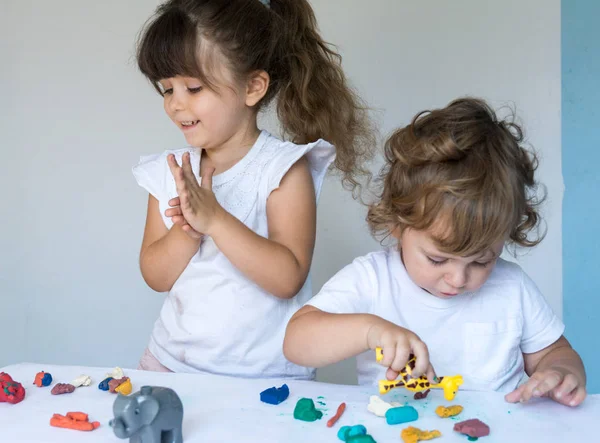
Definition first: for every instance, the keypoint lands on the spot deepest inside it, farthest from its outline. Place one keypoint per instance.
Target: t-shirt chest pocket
(491, 349)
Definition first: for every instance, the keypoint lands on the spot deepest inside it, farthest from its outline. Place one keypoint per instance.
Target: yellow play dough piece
(450, 411)
(413, 435)
(124, 388)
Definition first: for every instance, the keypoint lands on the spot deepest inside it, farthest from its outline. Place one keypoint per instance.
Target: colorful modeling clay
(124, 388)
(449, 384)
(104, 384)
(473, 428)
(115, 383)
(42, 379)
(421, 395)
(82, 380)
(62, 388)
(379, 407)
(340, 410)
(116, 373)
(274, 395)
(10, 391)
(450, 411)
(355, 434)
(413, 435)
(402, 414)
(74, 420)
(305, 410)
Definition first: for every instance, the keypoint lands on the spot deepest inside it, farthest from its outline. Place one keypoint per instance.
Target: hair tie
(267, 3)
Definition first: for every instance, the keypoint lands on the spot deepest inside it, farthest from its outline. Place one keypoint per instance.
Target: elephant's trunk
(119, 428)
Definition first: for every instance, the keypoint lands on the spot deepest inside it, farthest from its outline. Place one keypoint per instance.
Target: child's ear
(257, 87)
(396, 232)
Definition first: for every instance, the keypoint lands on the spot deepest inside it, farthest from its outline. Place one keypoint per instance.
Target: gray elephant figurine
(151, 415)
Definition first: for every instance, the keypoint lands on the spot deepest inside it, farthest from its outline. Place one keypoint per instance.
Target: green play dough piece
(305, 410)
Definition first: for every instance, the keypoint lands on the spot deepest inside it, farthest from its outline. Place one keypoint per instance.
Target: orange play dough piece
(450, 411)
(74, 420)
(413, 435)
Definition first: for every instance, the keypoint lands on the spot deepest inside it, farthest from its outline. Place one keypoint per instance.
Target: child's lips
(185, 126)
(450, 294)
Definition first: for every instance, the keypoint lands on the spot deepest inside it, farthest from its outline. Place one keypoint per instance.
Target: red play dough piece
(473, 428)
(10, 390)
(115, 382)
(62, 388)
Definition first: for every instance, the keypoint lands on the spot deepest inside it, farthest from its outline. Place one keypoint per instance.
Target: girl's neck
(223, 157)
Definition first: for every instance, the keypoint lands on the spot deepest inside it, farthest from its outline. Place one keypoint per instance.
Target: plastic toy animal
(449, 384)
(151, 415)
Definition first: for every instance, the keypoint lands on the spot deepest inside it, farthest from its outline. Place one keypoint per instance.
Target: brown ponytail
(315, 100)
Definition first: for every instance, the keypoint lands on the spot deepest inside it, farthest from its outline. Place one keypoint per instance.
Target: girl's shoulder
(278, 156)
(276, 149)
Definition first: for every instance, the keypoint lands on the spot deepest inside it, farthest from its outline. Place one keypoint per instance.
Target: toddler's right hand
(397, 344)
(176, 215)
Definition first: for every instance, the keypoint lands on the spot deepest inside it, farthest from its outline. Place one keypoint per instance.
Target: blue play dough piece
(274, 395)
(346, 432)
(402, 414)
(46, 379)
(104, 384)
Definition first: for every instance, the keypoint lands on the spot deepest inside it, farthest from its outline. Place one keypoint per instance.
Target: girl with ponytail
(230, 226)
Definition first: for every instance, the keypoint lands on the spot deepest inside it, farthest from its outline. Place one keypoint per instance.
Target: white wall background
(76, 115)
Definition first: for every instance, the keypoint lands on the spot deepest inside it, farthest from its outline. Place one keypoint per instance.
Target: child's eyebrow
(487, 254)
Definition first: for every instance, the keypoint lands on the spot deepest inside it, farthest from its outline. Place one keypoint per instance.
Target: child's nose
(176, 102)
(457, 278)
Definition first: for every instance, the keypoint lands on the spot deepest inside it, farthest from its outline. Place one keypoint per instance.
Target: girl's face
(444, 275)
(207, 118)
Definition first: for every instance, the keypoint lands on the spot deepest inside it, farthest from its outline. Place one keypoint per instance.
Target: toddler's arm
(315, 338)
(557, 372)
(165, 252)
(280, 263)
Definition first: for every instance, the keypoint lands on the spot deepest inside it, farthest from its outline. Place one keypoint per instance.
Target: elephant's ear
(148, 409)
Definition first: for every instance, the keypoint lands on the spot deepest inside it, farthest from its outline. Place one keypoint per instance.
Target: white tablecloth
(222, 409)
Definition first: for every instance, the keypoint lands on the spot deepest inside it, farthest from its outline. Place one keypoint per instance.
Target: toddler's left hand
(558, 383)
(197, 202)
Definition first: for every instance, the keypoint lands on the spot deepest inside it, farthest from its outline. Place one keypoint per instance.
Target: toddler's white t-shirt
(215, 319)
(479, 335)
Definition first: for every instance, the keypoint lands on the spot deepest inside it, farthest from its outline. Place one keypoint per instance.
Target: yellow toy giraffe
(448, 384)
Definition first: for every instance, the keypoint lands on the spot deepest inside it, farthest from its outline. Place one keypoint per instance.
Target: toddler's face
(207, 118)
(444, 275)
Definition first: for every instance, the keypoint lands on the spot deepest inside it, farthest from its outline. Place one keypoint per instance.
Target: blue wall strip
(581, 173)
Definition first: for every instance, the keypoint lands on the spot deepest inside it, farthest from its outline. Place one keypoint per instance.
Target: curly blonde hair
(463, 166)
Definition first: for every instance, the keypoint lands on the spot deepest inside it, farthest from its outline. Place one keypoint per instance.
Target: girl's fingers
(401, 357)
(179, 220)
(422, 354)
(515, 396)
(188, 173)
(430, 374)
(391, 374)
(579, 397)
(547, 383)
(171, 212)
(566, 388)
